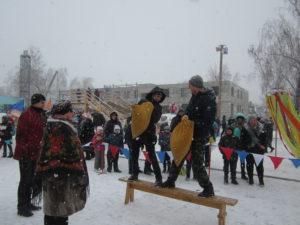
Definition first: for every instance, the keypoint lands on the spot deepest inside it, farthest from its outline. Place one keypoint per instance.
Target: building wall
(234, 98)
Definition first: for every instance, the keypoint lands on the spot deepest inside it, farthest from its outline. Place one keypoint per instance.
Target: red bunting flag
(114, 150)
(147, 156)
(227, 151)
(276, 161)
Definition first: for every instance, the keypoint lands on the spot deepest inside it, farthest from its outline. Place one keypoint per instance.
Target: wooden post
(127, 195)
(131, 194)
(222, 215)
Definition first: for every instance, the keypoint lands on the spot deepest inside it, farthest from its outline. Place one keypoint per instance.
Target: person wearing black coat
(109, 127)
(149, 137)
(87, 133)
(164, 142)
(201, 110)
(98, 119)
(257, 145)
(229, 141)
(6, 130)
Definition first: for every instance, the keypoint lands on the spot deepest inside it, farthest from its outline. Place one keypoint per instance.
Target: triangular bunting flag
(258, 158)
(227, 151)
(146, 156)
(242, 154)
(276, 161)
(296, 162)
(161, 156)
(189, 156)
(114, 150)
(126, 153)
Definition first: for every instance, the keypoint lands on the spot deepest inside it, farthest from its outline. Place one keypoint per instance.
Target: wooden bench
(216, 202)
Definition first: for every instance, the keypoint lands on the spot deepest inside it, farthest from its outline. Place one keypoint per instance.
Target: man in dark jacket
(148, 137)
(28, 146)
(86, 135)
(201, 110)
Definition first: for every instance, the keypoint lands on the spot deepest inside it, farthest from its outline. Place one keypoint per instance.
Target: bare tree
(213, 73)
(85, 82)
(277, 56)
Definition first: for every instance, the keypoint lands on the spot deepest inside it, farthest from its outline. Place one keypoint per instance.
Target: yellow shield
(181, 140)
(141, 115)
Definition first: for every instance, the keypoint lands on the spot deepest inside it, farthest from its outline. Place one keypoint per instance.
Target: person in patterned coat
(62, 168)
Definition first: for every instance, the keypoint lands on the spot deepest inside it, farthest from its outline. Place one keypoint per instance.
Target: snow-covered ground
(275, 204)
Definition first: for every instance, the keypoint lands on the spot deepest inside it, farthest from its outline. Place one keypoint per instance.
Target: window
(183, 92)
(135, 93)
(232, 91)
(231, 109)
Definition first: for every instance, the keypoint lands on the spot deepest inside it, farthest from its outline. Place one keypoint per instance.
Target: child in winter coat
(6, 132)
(99, 149)
(164, 142)
(115, 141)
(229, 141)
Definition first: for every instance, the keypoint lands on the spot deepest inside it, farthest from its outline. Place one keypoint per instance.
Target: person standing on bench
(148, 137)
(201, 109)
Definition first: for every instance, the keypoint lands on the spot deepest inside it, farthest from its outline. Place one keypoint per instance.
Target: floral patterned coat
(62, 168)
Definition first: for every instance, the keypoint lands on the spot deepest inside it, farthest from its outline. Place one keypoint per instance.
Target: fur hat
(62, 108)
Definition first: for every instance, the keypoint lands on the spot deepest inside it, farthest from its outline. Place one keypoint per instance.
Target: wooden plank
(181, 194)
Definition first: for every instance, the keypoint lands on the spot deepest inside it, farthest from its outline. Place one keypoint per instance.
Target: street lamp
(223, 50)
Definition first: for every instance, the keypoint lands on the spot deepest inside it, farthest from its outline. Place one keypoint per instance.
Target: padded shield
(141, 115)
(181, 140)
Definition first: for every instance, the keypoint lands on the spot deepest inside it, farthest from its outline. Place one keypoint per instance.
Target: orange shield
(141, 115)
(181, 140)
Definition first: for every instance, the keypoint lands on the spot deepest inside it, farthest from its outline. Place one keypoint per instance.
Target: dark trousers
(250, 167)
(152, 156)
(27, 172)
(112, 160)
(5, 146)
(243, 170)
(207, 155)
(232, 163)
(197, 149)
(188, 168)
(167, 162)
(55, 220)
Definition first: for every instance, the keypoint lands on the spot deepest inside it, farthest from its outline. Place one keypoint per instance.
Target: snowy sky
(128, 41)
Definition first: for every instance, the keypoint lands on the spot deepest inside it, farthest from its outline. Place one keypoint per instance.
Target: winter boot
(251, 180)
(10, 155)
(168, 184)
(233, 181)
(261, 181)
(109, 167)
(25, 213)
(116, 168)
(207, 191)
(158, 182)
(225, 179)
(133, 178)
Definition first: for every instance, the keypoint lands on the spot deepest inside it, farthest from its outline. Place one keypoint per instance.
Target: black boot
(261, 181)
(233, 181)
(225, 179)
(116, 168)
(109, 168)
(133, 178)
(158, 182)
(251, 180)
(168, 184)
(25, 213)
(207, 191)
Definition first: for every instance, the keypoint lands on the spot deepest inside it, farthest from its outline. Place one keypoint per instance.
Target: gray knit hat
(196, 81)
